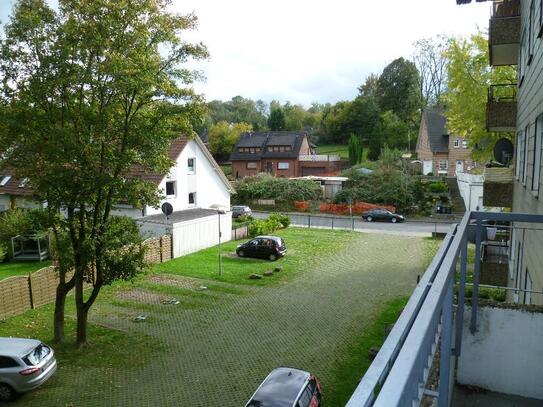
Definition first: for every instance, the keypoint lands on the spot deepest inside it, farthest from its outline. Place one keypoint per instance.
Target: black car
(287, 387)
(264, 247)
(382, 215)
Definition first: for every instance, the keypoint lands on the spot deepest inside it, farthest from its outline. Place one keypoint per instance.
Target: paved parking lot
(217, 345)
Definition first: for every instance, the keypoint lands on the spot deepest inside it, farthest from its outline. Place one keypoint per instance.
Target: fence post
(332, 223)
(309, 221)
(476, 271)
(161, 249)
(352, 222)
(30, 291)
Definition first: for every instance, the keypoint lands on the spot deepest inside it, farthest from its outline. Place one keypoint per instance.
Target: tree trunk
(60, 302)
(82, 314)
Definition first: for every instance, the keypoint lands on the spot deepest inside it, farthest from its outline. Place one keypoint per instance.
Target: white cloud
(304, 51)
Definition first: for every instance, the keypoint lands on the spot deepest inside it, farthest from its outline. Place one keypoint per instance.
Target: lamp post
(219, 213)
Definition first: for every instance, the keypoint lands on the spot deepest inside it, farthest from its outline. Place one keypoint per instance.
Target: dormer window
(23, 183)
(4, 179)
(464, 143)
(457, 143)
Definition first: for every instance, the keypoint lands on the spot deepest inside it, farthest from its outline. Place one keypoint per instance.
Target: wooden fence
(240, 233)
(22, 293)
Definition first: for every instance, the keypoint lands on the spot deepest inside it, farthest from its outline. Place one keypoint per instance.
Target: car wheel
(393, 220)
(241, 253)
(369, 218)
(272, 257)
(6, 392)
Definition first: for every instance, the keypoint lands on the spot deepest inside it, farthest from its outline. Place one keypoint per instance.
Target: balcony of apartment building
(501, 107)
(504, 32)
(469, 335)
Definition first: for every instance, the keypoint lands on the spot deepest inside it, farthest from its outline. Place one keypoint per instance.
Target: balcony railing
(319, 157)
(505, 8)
(504, 32)
(501, 109)
(399, 372)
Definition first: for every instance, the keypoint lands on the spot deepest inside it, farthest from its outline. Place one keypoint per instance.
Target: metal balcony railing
(505, 8)
(504, 92)
(399, 372)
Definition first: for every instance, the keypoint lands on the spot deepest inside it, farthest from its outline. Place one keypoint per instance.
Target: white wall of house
(471, 190)
(198, 234)
(505, 354)
(204, 181)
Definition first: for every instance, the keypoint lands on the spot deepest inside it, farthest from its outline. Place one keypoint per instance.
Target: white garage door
(427, 167)
(198, 234)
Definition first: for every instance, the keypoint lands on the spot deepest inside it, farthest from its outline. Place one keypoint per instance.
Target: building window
(517, 155)
(457, 143)
(536, 169)
(522, 58)
(170, 188)
(192, 198)
(191, 164)
(289, 148)
(525, 155)
(464, 143)
(258, 149)
(4, 179)
(531, 32)
(24, 183)
(283, 166)
(443, 165)
(251, 165)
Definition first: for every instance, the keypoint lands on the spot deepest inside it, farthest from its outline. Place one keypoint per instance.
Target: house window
(517, 155)
(289, 148)
(282, 166)
(531, 32)
(251, 165)
(23, 183)
(522, 58)
(536, 169)
(192, 198)
(258, 149)
(191, 164)
(170, 188)
(525, 155)
(457, 143)
(4, 179)
(443, 165)
(464, 143)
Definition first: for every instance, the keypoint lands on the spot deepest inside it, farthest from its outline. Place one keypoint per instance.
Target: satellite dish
(167, 208)
(503, 151)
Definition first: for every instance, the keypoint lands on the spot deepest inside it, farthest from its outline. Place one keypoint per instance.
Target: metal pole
(220, 258)
(445, 362)
(309, 221)
(476, 270)
(461, 296)
(332, 223)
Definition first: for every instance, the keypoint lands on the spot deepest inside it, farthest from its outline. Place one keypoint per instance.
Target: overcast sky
(311, 50)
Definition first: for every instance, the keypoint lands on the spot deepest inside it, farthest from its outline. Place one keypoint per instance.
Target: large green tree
(223, 136)
(238, 110)
(469, 77)
(86, 96)
(398, 90)
(277, 120)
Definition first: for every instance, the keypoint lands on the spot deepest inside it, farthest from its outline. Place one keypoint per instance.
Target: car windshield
(37, 355)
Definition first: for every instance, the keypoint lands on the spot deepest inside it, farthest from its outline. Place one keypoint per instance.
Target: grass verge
(305, 247)
(348, 371)
(20, 269)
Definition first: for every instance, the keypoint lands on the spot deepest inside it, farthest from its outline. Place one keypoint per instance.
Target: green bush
(258, 227)
(3, 252)
(284, 220)
(281, 189)
(438, 187)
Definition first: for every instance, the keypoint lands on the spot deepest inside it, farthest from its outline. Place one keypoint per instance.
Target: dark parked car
(264, 247)
(382, 215)
(240, 210)
(287, 387)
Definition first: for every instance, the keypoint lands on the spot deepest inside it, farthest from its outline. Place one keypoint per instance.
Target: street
(356, 223)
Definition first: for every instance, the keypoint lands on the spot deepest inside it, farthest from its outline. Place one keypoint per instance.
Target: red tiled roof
(12, 187)
(175, 149)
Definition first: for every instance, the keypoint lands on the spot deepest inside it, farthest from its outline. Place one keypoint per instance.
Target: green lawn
(334, 149)
(302, 253)
(19, 269)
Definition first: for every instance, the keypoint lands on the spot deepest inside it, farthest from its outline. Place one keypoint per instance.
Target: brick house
(281, 154)
(439, 152)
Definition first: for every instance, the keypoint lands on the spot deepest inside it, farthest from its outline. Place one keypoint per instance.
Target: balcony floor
(463, 397)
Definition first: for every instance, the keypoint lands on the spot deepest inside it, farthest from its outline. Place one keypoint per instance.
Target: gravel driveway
(217, 350)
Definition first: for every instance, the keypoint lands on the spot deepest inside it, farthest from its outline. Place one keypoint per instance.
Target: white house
(199, 193)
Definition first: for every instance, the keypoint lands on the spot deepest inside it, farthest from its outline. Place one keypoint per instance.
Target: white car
(24, 365)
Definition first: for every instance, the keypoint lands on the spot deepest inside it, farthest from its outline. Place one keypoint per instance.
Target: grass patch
(305, 247)
(348, 371)
(334, 149)
(109, 348)
(11, 269)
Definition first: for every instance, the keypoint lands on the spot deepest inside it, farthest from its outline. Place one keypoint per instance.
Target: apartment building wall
(527, 244)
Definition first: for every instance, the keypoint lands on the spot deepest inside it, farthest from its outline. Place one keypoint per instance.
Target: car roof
(276, 238)
(280, 388)
(17, 346)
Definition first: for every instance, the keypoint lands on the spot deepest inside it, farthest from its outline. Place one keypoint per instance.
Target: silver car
(24, 365)
(240, 210)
